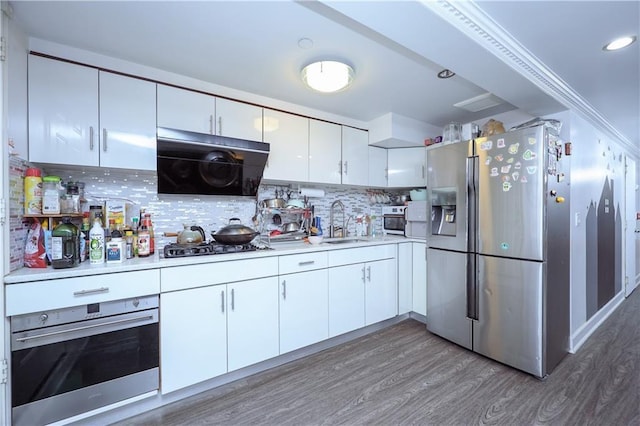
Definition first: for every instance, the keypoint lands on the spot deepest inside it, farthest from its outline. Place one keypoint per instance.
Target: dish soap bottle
(96, 242)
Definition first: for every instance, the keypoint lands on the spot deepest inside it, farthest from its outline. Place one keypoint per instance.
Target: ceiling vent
(479, 103)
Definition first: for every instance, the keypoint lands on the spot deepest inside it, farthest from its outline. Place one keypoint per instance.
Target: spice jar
(50, 195)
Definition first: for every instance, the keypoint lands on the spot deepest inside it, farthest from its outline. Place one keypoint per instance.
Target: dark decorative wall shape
(603, 254)
(591, 225)
(606, 245)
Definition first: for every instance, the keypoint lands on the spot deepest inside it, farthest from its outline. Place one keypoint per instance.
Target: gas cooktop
(202, 249)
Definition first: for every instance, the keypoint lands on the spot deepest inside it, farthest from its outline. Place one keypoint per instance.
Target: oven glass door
(394, 224)
(54, 368)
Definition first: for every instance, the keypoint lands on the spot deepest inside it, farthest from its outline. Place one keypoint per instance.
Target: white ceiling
(396, 49)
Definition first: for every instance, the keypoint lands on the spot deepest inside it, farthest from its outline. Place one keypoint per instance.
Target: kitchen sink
(342, 240)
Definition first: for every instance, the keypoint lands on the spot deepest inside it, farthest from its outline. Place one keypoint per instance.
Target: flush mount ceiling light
(619, 43)
(445, 73)
(327, 76)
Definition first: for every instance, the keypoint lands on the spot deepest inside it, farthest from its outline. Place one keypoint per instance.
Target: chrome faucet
(339, 204)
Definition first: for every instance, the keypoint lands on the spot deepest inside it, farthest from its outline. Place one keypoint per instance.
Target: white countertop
(281, 248)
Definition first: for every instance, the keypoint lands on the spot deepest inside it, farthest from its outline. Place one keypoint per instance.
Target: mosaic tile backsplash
(170, 212)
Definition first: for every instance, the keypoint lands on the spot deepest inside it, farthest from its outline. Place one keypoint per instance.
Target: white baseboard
(582, 334)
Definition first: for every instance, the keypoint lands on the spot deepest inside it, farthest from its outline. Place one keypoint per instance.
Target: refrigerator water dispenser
(443, 220)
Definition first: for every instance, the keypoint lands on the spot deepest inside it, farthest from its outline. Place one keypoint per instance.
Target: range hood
(204, 164)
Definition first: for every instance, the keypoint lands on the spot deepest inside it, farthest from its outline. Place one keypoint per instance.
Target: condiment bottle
(64, 245)
(84, 237)
(152, 240)
(96, 242)
(129, 244)
(115, 248)
(144, 243)
(33, 191)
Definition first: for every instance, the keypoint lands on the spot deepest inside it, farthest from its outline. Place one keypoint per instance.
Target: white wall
(595, 158)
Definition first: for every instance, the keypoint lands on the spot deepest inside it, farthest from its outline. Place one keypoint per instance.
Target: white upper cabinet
(355, 156)
(377, 167)
(407, 167)
(80, 116)
(127, 122)
(63, 113)
(186, 110)
(325, 145)
(288, 136)
(239, 120)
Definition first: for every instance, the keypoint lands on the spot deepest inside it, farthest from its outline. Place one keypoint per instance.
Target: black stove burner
(185, 250)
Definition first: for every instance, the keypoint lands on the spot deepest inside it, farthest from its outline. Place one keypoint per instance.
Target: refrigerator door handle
(472, 287)
(472, 185)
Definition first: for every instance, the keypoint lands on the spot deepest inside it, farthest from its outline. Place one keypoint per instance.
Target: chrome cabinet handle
(363, 277)
(308, 262)
(386, 173)
(422, 172)
(104, 139)
(233, 301)
(91, 138)
(284, 289)
(92, 291)
(346, 163)
(369, 273)
(340, 167)
(211, 124)
(219, 132)
(222, 301)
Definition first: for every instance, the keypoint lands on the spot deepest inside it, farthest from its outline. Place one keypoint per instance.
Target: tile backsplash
(170, 212)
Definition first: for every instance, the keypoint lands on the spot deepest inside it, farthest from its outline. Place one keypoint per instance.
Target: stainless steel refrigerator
(498, 247)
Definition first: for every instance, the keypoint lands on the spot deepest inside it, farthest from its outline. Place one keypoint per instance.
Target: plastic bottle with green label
(96, 242)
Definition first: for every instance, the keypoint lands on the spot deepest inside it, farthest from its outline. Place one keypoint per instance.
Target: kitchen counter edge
(25, 274)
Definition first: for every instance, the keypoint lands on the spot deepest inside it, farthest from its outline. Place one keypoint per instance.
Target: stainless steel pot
(191, 234)
(274, 203)
(290, 227)
(235, 233)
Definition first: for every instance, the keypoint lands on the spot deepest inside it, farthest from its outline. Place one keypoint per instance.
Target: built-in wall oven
(69, 361)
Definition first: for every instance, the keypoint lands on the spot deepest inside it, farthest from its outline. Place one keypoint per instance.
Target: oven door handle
(63, 333)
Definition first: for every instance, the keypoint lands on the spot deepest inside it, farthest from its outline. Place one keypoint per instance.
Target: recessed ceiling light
(327, 76)
(305, 43)
(446, 74)
(619, 43)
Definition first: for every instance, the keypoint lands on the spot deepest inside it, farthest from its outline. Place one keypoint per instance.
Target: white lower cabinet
(252, 322)
(304, 309)
(361, 293)
(419, 278)
(208, 331)
(346, 298)
(405, 278)
(193, 331)
(380, 291)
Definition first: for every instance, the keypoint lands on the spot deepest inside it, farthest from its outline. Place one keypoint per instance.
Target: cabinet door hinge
(4, 371)
(3, 49)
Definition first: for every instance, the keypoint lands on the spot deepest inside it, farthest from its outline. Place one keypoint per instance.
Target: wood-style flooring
(405, 375)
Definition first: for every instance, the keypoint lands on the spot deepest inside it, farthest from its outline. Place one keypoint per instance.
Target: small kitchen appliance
(394, 220)
(416, 214)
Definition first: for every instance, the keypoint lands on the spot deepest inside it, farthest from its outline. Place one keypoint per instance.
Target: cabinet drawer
(183, 277)
(302, 262)
(361, 254)
(54, 294)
